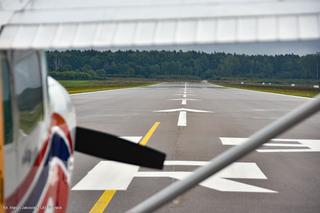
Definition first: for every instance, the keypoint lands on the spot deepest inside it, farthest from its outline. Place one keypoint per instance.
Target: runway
(192, 123)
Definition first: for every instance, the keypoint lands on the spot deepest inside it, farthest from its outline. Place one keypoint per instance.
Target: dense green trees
(91, 64)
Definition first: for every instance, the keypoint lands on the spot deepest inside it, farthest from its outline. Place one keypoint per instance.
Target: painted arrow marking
(295, 145)
(183, 109)
(110, 175)
(182, 120)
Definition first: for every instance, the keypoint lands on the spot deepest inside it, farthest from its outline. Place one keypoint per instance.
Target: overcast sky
(269, 48)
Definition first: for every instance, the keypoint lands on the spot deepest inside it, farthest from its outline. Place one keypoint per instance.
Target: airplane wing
(158, 24)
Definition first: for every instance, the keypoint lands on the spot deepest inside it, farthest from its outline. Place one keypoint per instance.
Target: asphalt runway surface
(197, 122)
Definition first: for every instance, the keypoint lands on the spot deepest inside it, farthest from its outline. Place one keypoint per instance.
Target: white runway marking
(183, 100)
(238, 170)
(185, 88)
(284, 144)
(182, 120)
(216, 183)
(92, 182)
(108, 175)
(188, 93)
(184, 163)
(309, 145)
(180, 99)
(183, 109)
(117, 176)
(134, 139)
(286, 150)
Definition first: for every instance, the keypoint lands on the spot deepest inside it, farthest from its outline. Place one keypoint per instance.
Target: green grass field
(287, 90)
(78, 86)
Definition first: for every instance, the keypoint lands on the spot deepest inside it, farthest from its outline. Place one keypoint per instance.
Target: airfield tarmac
(197, 122)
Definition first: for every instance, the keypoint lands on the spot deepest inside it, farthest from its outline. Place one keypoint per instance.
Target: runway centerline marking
(183, 109)
(305, 145)
(182, 120)
(179, 99)
(187, 93)
(183, 100)
(106, 197)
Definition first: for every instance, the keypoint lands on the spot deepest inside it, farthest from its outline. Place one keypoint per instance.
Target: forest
(93, 64)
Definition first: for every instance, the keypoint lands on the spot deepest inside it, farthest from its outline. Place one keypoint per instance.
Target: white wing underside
(144, 24)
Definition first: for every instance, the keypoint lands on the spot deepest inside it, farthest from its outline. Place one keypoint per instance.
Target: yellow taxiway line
(106, 197)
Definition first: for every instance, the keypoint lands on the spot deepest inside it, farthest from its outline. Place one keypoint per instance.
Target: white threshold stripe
(284, 144)
(184, 163)
(110, 175)
(182, 120)
(219, 181)
(306, 145)
(286, 150)
(134, 139)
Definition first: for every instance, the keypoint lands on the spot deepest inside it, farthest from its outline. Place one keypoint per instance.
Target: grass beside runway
(286, 90)
(78, 86)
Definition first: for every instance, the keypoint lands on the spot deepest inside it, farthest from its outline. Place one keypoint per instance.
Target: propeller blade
(111, 147)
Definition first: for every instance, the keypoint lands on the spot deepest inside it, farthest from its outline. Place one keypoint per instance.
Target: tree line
(92, 64)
